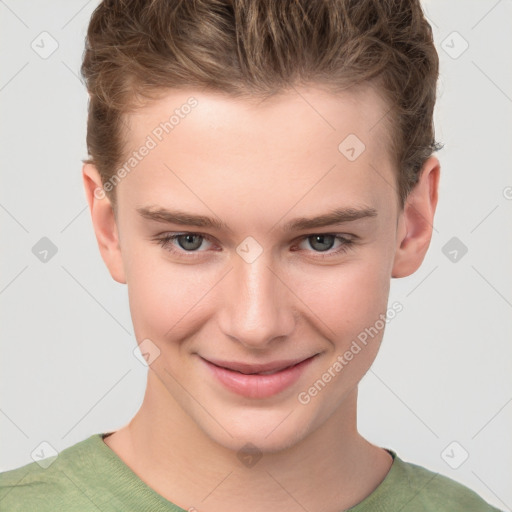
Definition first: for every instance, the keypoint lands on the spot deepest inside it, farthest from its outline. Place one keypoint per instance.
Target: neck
(333, 466)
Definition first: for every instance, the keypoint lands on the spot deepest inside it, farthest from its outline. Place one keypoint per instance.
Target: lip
(246, 379)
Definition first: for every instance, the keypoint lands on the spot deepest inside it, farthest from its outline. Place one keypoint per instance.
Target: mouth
(258, 369)
(258, 380)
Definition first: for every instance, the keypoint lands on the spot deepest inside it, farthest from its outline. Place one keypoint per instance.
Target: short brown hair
(136, 49)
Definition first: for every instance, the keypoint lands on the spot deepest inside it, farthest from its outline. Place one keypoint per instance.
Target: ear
(104, 222)
(415, 222)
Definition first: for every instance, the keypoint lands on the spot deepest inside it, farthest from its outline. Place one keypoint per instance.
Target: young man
(258, 172)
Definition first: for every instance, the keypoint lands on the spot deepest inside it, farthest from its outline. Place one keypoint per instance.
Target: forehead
(210, 143)
(311, 111)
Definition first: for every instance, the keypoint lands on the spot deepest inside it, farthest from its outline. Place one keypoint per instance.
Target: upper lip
(248, 368)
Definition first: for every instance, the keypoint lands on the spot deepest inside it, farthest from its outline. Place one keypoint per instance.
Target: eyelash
(165, 242)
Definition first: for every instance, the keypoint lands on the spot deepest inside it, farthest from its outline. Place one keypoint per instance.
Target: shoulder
(44, 484)
(425, 490)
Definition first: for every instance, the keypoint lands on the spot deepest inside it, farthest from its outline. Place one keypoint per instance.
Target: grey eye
(188, 243)
(321, 242)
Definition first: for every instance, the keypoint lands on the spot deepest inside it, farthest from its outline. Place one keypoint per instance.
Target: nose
(257, 304)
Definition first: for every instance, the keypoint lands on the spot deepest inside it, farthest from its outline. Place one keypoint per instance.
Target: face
(258, 243)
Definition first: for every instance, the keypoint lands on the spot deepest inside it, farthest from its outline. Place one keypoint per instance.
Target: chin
(269, 432)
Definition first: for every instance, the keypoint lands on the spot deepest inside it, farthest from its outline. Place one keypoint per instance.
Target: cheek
(344, 299)
(165, 298)
(350, 305)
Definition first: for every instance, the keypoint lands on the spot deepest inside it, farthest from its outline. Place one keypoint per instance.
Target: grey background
(444, 370)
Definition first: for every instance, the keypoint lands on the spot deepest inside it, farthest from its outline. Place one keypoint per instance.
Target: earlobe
(415, 225)
(104, 222)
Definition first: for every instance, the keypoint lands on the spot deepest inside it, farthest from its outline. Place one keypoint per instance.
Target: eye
(324, 242)
(185, 242)
(321, 242)
(189, 241)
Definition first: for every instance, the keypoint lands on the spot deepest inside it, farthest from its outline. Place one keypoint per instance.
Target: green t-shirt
(89, 476)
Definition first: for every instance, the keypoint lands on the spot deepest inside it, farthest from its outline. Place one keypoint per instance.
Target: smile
(257, 380)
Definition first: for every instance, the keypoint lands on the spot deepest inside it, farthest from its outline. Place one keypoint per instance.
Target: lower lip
(259, 386)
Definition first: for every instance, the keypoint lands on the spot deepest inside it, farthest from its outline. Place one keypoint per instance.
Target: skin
(255, 166)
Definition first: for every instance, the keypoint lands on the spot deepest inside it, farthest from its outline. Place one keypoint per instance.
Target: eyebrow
(336, 216)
